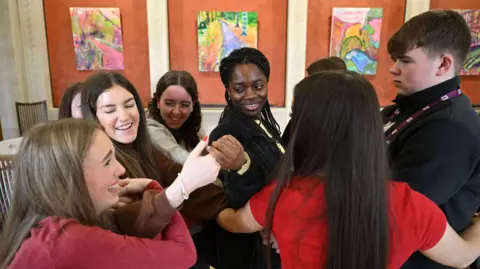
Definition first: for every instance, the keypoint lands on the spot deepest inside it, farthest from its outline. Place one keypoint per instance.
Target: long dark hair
(227, 66)
(188, 132)
(337, 137)
(65, 109)
(142, 165)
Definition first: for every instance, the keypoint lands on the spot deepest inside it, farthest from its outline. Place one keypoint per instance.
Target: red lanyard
(449, 95)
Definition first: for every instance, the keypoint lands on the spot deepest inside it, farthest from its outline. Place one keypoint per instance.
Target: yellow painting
(219, 33)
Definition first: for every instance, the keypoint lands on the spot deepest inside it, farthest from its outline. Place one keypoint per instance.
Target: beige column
(296, 48)
(415, 7)
(158, 43)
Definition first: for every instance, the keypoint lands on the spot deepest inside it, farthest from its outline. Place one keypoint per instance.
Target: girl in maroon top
(331, 205)
(67, 182)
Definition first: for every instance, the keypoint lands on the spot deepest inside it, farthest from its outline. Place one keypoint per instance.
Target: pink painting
(355, 37)
(97, 38)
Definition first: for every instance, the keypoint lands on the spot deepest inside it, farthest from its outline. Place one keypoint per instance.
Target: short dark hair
(188, 132)
(65, 109)
(326, 64)
(436, 31)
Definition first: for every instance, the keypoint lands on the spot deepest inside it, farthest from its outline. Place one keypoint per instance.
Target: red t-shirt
(301, 232)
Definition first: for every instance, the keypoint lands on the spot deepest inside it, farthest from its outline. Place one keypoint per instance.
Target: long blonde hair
(49, 181)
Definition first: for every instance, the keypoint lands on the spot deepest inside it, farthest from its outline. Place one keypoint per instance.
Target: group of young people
(346, 186)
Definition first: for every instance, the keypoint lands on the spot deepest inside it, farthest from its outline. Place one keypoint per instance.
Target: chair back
(6, 180)
(29, 114)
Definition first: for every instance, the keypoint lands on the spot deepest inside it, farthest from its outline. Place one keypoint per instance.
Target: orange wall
(470, 84)
(63, 70)
(272, 38)
(318, 36)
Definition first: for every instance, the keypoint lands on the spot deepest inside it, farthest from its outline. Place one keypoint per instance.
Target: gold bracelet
(245, 166)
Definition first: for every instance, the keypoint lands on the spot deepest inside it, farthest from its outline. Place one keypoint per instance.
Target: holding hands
(129, 188)
(198, 171)
(228, 152)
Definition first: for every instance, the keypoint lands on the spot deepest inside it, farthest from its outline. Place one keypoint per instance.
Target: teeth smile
(252, 106)
(125, 127)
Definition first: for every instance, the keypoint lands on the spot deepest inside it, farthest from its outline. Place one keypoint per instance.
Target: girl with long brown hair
(331, 204)
(67, 182)
(111, 100)
(174, 116)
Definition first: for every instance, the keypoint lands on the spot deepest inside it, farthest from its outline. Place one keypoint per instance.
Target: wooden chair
(6, 180)
(29, 114)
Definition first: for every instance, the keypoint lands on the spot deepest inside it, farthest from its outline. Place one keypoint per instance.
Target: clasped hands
(227, 151)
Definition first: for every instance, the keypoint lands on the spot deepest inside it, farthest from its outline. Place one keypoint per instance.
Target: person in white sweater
(174, 116)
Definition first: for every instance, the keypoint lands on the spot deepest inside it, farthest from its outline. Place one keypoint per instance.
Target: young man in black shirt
(432, 130)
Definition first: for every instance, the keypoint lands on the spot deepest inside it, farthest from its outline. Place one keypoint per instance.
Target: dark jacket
(262, 150)
(222, 249)
(438, 154)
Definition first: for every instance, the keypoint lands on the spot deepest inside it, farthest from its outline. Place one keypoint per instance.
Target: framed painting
(471, 66)
(219, 33)
(355, 38)
(97, 38)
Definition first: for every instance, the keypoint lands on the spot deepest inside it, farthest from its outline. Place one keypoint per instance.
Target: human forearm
(238, 221)
(175, 194)
(454, 250)
(472, 236)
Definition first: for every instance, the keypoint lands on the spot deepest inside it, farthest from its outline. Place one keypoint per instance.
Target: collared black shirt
(438, 154)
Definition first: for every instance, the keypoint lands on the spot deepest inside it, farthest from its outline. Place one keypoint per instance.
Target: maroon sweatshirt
(66, 243)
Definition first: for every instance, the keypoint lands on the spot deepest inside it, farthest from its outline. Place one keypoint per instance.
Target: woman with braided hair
(247, 117)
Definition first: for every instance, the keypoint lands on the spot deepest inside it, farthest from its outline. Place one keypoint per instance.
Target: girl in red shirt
(67, 180)
(331, 205)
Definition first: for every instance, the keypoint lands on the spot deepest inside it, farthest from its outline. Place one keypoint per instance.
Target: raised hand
(198, 170)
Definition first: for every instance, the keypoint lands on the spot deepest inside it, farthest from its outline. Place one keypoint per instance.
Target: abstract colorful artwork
(355, 37)
(471, 66)
(97, 38)
(219, 33)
